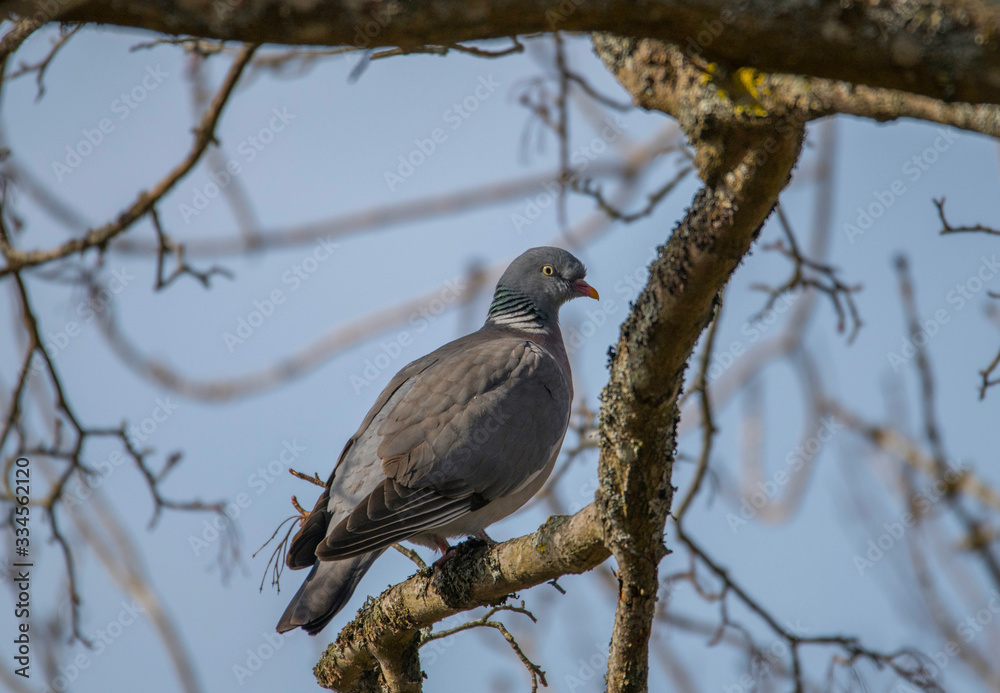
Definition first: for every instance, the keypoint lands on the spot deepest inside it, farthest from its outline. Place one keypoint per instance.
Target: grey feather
(457, 440)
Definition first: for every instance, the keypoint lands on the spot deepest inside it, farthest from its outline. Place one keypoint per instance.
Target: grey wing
(476, 426)
(357, 472)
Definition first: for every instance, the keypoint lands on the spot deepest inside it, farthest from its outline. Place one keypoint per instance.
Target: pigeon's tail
(326, 590)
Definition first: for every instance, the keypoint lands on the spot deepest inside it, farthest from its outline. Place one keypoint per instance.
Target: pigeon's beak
(584, 289)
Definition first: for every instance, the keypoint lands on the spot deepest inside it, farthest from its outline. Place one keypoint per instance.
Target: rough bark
(746, 161)
(945, 49)
(385, 629)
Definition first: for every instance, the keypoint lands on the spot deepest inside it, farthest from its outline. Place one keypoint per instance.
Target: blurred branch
(975, 534)
(99, 238)
(907, 450)
(341, 338)
(385, 216)
(586, 188)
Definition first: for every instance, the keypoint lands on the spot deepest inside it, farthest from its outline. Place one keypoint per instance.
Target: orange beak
(584, 289)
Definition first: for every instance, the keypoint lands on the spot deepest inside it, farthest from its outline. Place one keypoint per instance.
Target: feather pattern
(513, 309)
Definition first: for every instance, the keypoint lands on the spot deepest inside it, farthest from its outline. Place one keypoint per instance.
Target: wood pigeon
(458, 440)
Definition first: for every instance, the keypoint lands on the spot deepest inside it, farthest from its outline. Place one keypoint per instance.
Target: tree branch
(99, 238)
(945, 49)
(477, 576)
(745, 167)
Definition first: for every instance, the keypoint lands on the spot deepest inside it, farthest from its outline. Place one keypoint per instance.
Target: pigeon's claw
(482, 536)
(303, 513)
(447, 551)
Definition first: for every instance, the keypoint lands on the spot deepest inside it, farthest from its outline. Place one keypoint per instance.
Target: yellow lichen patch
(750, 79)
(709, 73)
(742, 88)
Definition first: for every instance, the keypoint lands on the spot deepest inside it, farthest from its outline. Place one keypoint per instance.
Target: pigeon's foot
(303, 513)
(482, 536)
(447, 551)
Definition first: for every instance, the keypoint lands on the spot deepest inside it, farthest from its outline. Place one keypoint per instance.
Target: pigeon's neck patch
(513, 309)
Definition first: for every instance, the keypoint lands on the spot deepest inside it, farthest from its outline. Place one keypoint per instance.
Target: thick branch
(945, 49)
(475, 577)
(639, 410)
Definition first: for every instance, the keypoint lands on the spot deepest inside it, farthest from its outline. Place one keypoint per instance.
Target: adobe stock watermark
(795, 460)
(752, 330)
(455, 116)
(258, 482)
(966, 630)
(295, 277)
(97, 301)
(431, 651)
(248, 148)
(580, 160)
(94, 137)
(912, 169)
(137, 434)
(575, 336)
(102, 639)
(957, 299)
(770, 658)
(590, 669)
(879, 547)
(256, 656)
(394, 347)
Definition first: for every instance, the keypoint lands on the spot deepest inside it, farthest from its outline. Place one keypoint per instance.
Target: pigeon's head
(539, 281)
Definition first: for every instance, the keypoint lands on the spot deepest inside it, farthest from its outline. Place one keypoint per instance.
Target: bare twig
(99, 238)
(66, 32)
(412, 555)
(537, 675)
(986, 373)
(948, 228)
(587, 188)
(168, 245)
(905, 663)
(825, 280)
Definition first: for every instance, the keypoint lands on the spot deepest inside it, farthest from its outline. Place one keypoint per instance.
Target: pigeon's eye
(548, 271)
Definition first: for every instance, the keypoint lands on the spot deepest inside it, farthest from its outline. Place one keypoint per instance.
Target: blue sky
(332, 148)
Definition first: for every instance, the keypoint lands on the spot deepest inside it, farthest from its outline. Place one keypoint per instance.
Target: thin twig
(537, 675)
(825, 280)
(40, 67)
(412, 555)
(100, 237)
(166, 245)
(947, 228)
